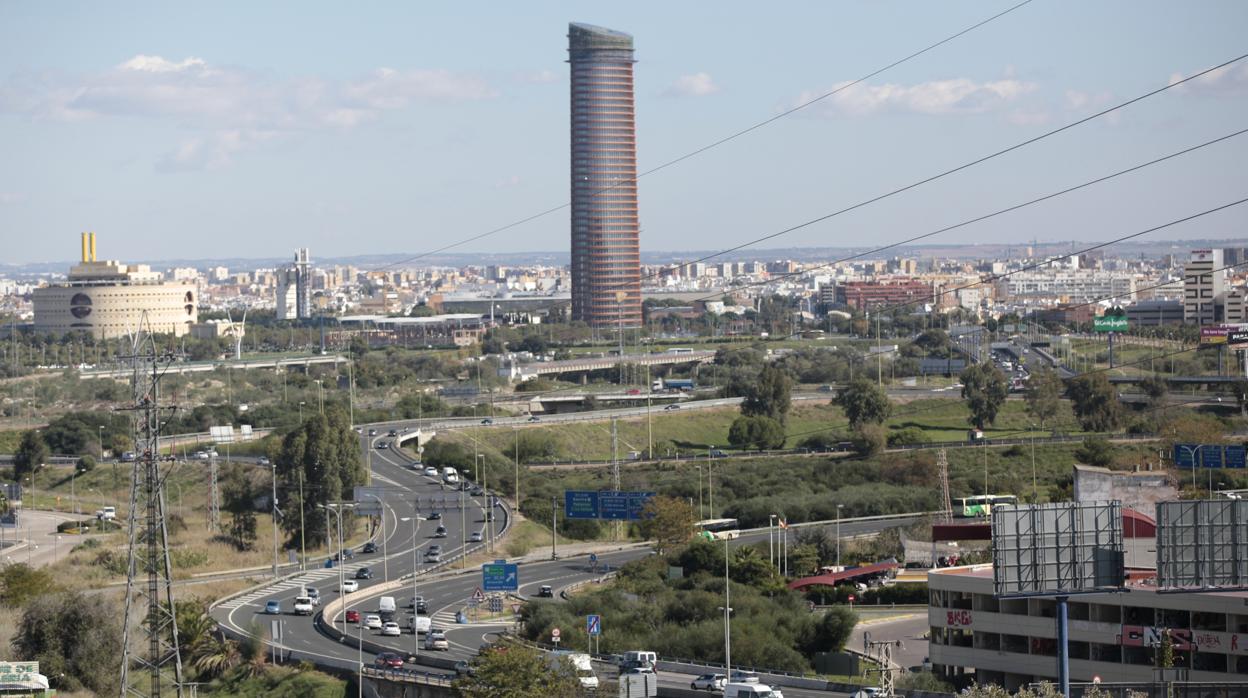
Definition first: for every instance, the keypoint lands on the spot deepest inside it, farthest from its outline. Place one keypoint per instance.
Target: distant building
(294, 288)
(110, 299)
(606, 252)
(863, 295)
(1155, 312)
(1204, 282)
(1066, 315)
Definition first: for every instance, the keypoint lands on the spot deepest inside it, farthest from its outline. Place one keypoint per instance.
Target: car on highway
(487, 421)
(391, 629)
(672, 407)
(364, 573)
(434, 515)
(419, 604)
(304, 606)
(476, 491)
(867, 692)
(369, 547)
(463, 668)
(393, 432)
(534, 418)
(382, 446)
(431, 471)
(436, 640)
(264, 460)
(353, 616)
(372, 432)
(717, 453)
(546, 592)
(388, 660)
(709, 682)
(350, 586)
(344, 553)
(440, 532)
(475, 537)
(199, 455)
(314, 594)
(273, 608)
(435, 548)
(433, 556)
(739, 676)
(372, 621)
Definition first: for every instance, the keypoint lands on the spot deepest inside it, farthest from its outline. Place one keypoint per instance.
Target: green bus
(981, 506)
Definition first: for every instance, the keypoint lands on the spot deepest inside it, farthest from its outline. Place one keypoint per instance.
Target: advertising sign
(18, 672)
(1237, 338)
(1110, 323)
(1057, 549)
(1214, 334)
(1201, 544)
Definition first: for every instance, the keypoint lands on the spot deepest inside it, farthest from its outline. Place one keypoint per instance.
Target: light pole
(415, 519)
(337, 507)
(301, 403)
(101, 442)
(701, 511)
(710, 485)
(274, 469)
(385, 563)
(320, 389)
(1035, 490)
(771, 538)
(727, 609)
(838, 536)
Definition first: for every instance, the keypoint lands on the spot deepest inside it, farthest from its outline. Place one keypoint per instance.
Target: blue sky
(246, 129)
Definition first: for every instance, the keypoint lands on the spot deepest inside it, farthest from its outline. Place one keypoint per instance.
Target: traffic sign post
(554, 636)
(593, 628)
(593, 561)
(500, 576)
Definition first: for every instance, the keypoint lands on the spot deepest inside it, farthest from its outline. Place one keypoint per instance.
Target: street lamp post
(385, 563)
(301, 403)
(415, 519)
(101, 443)
(838, 536)
(701, 511)
(727, 609)
(771, 538)
(337, 507)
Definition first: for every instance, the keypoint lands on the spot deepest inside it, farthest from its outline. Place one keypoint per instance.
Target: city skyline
(388, 150)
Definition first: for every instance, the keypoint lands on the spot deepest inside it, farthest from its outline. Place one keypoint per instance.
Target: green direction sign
(1110, 323)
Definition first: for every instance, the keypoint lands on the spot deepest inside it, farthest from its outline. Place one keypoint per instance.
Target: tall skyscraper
(294, 288)
(606, 252)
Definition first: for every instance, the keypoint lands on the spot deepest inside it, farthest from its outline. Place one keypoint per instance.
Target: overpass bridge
(203, 366)
(546, 368)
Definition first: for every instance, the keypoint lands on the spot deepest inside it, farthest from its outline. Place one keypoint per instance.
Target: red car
(388, 660)
(353, 616)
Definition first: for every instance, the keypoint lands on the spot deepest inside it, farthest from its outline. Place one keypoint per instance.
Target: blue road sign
(580, 504)
(593, 624)
(593, 558)
(624, 506)
(500, 576)
(1188, 456)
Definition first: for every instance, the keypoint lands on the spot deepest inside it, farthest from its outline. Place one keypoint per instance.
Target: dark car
(476, 491)
(372, 432)
(346, 553)
(388, 660)
(369, 547)
(363, 573)
(546, 592)
(534, 418)
(418, 603)
(435, 515)
(440, 532)
(463, 668)
(487, 421)
(672, 407)
(435, 548)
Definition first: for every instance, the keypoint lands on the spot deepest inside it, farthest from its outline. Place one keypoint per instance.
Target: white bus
(718, 529)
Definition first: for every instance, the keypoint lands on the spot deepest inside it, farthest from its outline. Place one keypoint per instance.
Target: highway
(406, 493)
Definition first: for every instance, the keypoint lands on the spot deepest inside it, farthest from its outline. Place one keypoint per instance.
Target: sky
(242, 129)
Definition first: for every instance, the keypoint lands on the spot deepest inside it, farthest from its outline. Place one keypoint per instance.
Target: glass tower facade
(606, 261)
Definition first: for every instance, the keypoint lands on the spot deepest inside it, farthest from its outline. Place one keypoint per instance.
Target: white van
(639, 659)
(303, 606)
(385, 604)
(747, 690)
(419, 624)
(449, 476)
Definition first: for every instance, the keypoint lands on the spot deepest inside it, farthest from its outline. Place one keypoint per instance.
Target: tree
(668, 521)
(239, 496)
(74, 639)
(32, 453)
(1095, 451)
(832, 631)
(870, 440)
(769, 395)
(516, 671)
(1044, 395)
(804, 559)
(322, 455)
(984, 389)
(20, 582)
(1095, 403)
(757, 432)
(1155, 388)
(864, 402)
(85, 464)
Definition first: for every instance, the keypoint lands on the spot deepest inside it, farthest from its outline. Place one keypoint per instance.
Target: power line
(721, 141)
(986, 216)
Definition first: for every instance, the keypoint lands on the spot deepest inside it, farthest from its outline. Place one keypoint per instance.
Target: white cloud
(9, 198)
(539, 77)
(226, 109)
(1229, 80)
(695, 85)
(937, 97)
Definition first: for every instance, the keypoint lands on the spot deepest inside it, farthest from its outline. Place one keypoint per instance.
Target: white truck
(106, 514)
(419, 624)
(578, 663)
(304, 606)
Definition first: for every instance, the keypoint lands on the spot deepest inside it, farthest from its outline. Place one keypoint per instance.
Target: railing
(407, 676)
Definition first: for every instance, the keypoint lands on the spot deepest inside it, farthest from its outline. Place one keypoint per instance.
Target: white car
(709, 682)
(304, 606)
(436, 640)
(431, 471)
(391, 629)
(475, 537)
(350, 586)
(372, 621)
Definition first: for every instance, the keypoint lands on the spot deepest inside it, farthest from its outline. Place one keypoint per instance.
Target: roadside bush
(909, 436)
(870, 440)
(1095, 450)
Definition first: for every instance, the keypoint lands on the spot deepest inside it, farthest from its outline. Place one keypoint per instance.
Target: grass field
(696, 431)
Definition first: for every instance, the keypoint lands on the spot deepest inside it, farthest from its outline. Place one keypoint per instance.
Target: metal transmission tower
(942, 463)
(149, 580)
(882, 653)
(214, 497)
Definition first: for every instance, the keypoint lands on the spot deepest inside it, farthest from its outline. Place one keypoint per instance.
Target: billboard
(1188, 456)
(1057, 549)
(1202, 544)
(1237, 338)
(221, 435)
(1110, 323)
(1214, 334)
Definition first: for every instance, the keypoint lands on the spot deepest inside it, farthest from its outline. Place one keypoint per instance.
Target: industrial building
(110, 299)
(863, 295)
(606, 252)
(1204, 282)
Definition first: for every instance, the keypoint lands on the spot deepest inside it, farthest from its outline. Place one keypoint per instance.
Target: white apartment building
(1012, 642)
(1068, 285)
(1204, 282)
